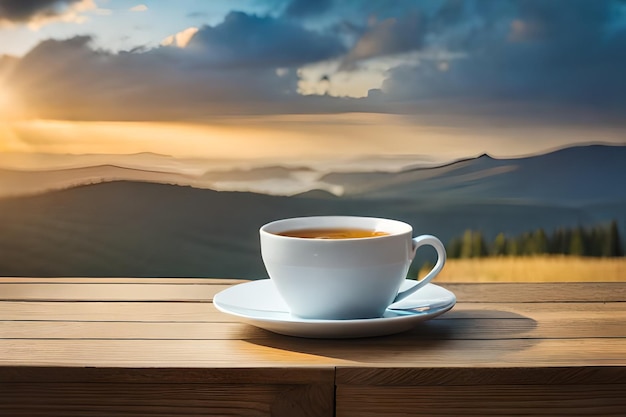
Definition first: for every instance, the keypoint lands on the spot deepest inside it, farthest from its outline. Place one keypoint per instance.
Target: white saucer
(259, 304)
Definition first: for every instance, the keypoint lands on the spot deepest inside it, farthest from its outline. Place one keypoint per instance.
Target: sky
(296, 79)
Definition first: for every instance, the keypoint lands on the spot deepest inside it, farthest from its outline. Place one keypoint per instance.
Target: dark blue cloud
(307, 8)
(246, 64)
(71, 79)
(388, 37)
(25, 10)
(528, 50)
(263, 41)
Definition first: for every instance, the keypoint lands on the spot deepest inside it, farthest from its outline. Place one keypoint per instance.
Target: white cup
(338, 279)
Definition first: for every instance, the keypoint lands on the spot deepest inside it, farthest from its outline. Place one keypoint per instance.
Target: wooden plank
(511, 309)
(111, 311)
(457, 327)
(191, 375)
(416, 377)
(289, 351)
(397, 351)
(128, 330)
(97, 399)
(189, 291)
(205, 312)
(221, 353)
(109, 292)
(539, 292)
(482, 400)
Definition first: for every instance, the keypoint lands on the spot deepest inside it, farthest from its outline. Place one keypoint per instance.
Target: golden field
(533, 269)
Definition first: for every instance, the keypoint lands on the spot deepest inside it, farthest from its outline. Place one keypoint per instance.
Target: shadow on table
(482, 336)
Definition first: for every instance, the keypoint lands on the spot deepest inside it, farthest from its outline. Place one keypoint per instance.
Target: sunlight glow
(168, 138)
(323, 78)
(281, 138)
(10, 140)
(10, 106)
(5, 103)
(180, 39)
(326, 77)
(278, 137)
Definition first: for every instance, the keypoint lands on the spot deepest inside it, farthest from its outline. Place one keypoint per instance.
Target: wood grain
(204, 290)
(106, 311)
(188, 290)
(121, 399)
(482, 400)
(204, 312)
(295, 352)
(466, 326)
(110, 292)
(440, 376)
(189, 375)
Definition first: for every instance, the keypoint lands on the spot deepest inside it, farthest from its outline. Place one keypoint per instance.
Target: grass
(533, 269)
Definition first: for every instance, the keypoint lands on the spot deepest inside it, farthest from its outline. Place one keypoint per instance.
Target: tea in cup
(342, 267)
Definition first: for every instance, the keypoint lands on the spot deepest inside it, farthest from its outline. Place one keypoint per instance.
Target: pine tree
(467, 245)
(479, 247)
(526, 244)
(576, 245)
(614, 240)
(539, 242)
(454, 248)
(499, 245)
(600, 240)
(556, 242)
(597, 242)
(512, 247)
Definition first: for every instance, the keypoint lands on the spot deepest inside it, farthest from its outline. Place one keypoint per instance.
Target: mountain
(571, 176)
(143, 228)
(18, 182)
(89, 169)
(267, 180)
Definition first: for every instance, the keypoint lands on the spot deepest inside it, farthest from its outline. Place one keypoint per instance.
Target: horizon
(27, 160)
(29, 176)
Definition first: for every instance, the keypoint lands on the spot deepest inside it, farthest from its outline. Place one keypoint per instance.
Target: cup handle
(441, 259)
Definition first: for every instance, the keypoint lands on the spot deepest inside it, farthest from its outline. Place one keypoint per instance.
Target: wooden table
(148, 347)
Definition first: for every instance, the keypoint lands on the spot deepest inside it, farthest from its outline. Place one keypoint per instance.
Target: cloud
(36, 13)
(139, 8)
(307, 8)
(255, 41)
(388, 37)
(525, 51)
(69, 79)
(467, 57)
(180, 39)
(246, 63)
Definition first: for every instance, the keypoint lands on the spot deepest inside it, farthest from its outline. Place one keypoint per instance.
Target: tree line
(599, 241)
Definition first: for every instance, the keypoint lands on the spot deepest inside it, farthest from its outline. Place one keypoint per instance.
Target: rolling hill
(138, 228)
